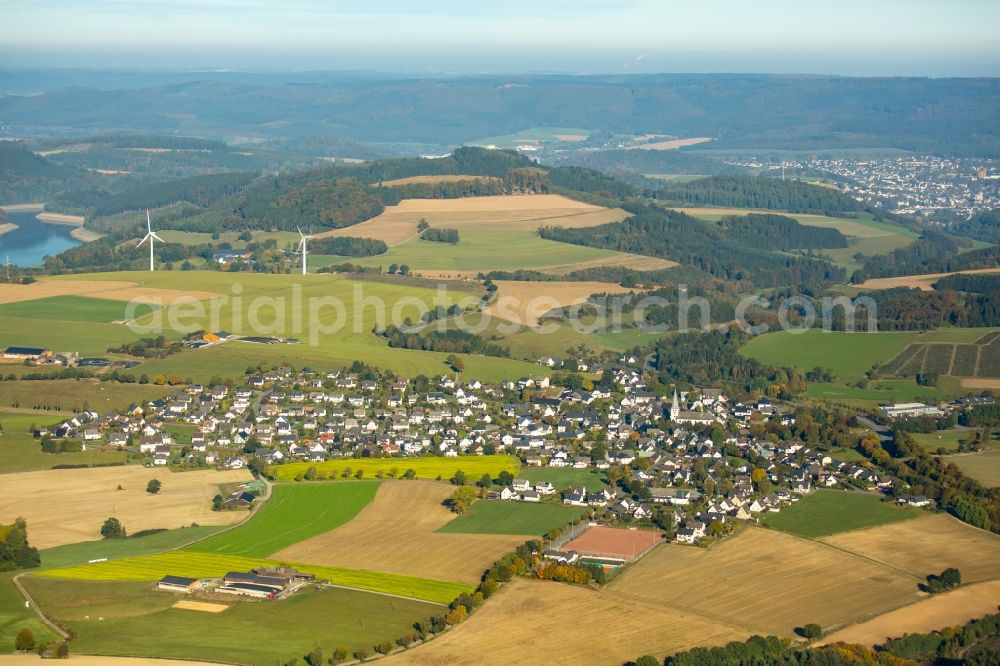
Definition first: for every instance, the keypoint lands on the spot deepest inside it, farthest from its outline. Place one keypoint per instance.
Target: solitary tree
(812, 631)
(24, 641)
(153, 486)
(462, 499)
(217, 503)
(112, 529)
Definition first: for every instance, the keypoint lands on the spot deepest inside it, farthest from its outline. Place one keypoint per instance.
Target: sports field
(513, 622)
(399, 533)
(849, 355)
(506, 517)
(767, 582)
(826, 512)
(611, 542)
(425, 467)
(250, 632)
(294, 513)
(69, 505)
(951, 609)
(213, 565)
(983, 467)
(927, 545)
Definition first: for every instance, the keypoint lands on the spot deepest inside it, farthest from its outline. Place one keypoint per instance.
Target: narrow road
(38, 611)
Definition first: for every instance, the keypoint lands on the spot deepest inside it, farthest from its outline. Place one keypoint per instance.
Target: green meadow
(983, 467)
(71, 308)
(293, 513)
(478, 250)
(827, 512)
(504, 517)
(531, 135)
(20, 452)
(565, 477)
(280, 305)
(102, 614)
(113, 549)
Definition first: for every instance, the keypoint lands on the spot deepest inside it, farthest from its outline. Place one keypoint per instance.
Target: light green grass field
(340, 336)
(214, 565)
(479, 250)
(883, 390)
(983, 467)
(503, 517)
(956, 335)
(113, 549)
(827, 512)
(71, 308)
(138, 620)
(20, 452)
(426, 467)
(76, 394)
(531, 135)
(563, 478)
(293, 513)
(948, 439)
(849, 355)
(14, 616)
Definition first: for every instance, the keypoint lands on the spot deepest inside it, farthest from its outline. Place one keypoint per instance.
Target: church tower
(675, 407)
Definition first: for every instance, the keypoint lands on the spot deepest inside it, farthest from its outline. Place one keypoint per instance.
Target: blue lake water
(33, 240)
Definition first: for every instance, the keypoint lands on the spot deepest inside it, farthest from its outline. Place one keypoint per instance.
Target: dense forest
(673, 235)
(978, 283)
(906, 309)
(197, 190)
(778, 232)
(930, 115)
(933, 252)
(26, 177)
(703, 359)
(740, 191)
(983, 226)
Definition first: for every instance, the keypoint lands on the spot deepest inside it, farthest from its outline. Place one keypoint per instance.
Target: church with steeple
(694, 418)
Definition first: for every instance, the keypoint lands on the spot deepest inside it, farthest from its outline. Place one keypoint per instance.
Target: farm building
(25, 353)
(252, 584)
(177, 584)
(905, 409)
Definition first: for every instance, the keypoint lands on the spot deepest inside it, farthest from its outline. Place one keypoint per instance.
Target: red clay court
(613, 543)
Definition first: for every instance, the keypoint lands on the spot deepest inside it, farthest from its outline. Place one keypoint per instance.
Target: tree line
(778, 232)
(452, 341)
(348, 246)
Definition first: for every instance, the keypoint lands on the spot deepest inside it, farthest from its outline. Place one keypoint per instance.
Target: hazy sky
(933, 37)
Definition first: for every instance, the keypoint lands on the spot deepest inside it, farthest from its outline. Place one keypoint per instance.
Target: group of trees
(948, 579)
(906, 309)
(743, 191)
(15, 551)
(672, 235)
(983, 226)
(157, 347)
(452, 341)
(348, 246)
(933, 252)
(440, 235)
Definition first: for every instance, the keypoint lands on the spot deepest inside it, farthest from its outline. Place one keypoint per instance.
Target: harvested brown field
(201, 606)
(981, 383)
(398, 224)
(524, 302)
(767, 582)
(432, 180)
(556, 625)
(670, 144)
(927, 545)
(83, 660)
(112, 290)
(922, 282)
(69, 505)
(395, 533)
(950, 609)
(611, 542)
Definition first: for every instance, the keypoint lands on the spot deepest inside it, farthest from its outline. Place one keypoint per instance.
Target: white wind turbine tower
(151, 237)
(305, 252)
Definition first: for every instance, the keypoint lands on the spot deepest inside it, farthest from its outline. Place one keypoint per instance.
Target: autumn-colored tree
(457, 615)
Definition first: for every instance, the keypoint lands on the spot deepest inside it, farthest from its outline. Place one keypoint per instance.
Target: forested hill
(933, 252)
(673, 235)
(27, 178)
(930, 115)
(739, 191)
(984, 226)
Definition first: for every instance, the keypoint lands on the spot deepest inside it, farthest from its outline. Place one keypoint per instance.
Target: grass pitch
(827, 512)
(293, 513)
(503, 517)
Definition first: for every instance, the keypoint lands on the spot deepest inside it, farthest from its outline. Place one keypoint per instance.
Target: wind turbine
(302, 246)
(151, 237)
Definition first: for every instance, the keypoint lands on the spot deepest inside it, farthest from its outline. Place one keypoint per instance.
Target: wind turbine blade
(153, 235)
(149, 224)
